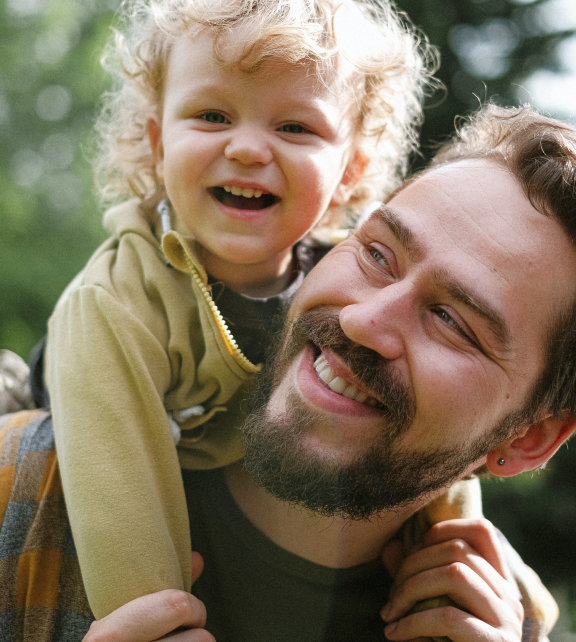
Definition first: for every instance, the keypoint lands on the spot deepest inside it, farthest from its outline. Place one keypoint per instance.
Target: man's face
(451, 288)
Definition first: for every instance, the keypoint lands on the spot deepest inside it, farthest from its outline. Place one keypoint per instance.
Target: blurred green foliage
(488, 49)
(50, 85)
(50, 223)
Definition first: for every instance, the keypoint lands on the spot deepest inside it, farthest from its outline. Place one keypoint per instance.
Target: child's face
(250, 162)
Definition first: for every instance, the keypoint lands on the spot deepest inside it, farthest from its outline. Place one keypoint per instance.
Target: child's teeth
(246, 192)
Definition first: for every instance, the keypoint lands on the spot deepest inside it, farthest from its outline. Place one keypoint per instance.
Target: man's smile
(317, 391)
(341, 386)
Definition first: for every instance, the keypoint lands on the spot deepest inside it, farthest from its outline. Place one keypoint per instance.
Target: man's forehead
(477, 202)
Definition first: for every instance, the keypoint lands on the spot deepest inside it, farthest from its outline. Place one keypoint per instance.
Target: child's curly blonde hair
(393, 67)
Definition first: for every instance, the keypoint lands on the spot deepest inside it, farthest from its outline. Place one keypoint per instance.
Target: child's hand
(463, 560)
(170, 614)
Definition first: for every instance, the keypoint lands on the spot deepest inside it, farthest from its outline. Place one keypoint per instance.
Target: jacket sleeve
(107, 374)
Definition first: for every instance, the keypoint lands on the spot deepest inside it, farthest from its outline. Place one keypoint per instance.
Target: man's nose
(381, 320)
(248, 145)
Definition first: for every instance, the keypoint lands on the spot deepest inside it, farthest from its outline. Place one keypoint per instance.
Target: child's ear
(532, 448)
(352, 174)
(155, 137)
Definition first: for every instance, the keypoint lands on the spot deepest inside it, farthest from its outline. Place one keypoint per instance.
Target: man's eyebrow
(401, 231)
(497, 324)
(416, 252)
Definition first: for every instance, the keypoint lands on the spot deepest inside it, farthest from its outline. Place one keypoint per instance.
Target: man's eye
(446, 317)
(379, 257)
(293, 128)
(213, 117)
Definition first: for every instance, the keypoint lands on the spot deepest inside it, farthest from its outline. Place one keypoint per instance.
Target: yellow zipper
(225, 333)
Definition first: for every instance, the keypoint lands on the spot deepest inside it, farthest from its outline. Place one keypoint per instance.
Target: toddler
(235, 127)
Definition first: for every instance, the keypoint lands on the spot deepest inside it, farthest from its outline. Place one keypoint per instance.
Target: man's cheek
(284, 389)
(324, 284)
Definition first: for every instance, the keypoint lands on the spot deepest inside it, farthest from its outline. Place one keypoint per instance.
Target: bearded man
(436, 342)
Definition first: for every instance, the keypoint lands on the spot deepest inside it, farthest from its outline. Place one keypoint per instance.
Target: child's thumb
(197, 565)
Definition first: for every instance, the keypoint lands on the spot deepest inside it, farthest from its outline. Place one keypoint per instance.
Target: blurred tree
(537, 512)
(50, 84)
(488, 48)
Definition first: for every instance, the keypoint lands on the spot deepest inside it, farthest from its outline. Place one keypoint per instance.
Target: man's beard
(383, 477)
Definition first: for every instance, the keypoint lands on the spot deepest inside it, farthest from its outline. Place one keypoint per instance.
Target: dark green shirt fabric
(255, 591)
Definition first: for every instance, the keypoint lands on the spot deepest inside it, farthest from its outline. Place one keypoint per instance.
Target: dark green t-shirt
(255, 591)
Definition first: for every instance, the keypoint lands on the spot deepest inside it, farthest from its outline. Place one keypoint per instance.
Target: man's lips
(333, 372)
(243, 198)
(318, 394)
(340, 385)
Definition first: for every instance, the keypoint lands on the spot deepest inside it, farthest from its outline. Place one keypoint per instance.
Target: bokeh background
(511, 51)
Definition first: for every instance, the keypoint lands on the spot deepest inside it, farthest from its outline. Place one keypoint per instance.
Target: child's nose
(249, 146)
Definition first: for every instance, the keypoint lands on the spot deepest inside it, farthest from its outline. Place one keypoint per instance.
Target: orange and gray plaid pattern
(42, 598)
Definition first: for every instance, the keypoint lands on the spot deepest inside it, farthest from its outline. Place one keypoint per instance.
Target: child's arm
(153, 616)
(107, 373)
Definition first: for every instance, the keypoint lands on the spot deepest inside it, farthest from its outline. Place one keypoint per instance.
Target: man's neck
(332, 541)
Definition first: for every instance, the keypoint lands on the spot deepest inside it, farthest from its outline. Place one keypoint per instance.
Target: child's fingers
(449, 622)
(150, 618)
(458, 581)
(456, 551)
(478, 533)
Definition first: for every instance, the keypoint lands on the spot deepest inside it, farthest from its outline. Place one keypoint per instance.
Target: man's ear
(155, 137)
(352, 174)
(532, 448)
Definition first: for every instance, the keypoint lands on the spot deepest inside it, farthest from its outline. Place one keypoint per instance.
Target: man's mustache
(321, 326)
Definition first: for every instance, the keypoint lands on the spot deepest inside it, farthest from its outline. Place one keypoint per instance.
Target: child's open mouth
(242, 198)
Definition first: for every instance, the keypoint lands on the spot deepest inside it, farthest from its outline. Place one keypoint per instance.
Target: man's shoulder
(41, 595)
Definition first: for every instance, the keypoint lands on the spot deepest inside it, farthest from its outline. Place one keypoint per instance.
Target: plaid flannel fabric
(42, 598)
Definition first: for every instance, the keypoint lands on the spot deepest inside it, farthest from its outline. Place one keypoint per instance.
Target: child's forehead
(226, 53)
(195, 72)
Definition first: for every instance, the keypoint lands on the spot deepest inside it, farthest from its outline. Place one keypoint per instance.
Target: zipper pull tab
(163, 210)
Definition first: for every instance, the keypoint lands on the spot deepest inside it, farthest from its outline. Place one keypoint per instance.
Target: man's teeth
(339, 385)
(246, 192)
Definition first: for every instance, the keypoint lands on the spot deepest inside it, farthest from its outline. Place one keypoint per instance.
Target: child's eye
(293, 128)
(213, 117)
